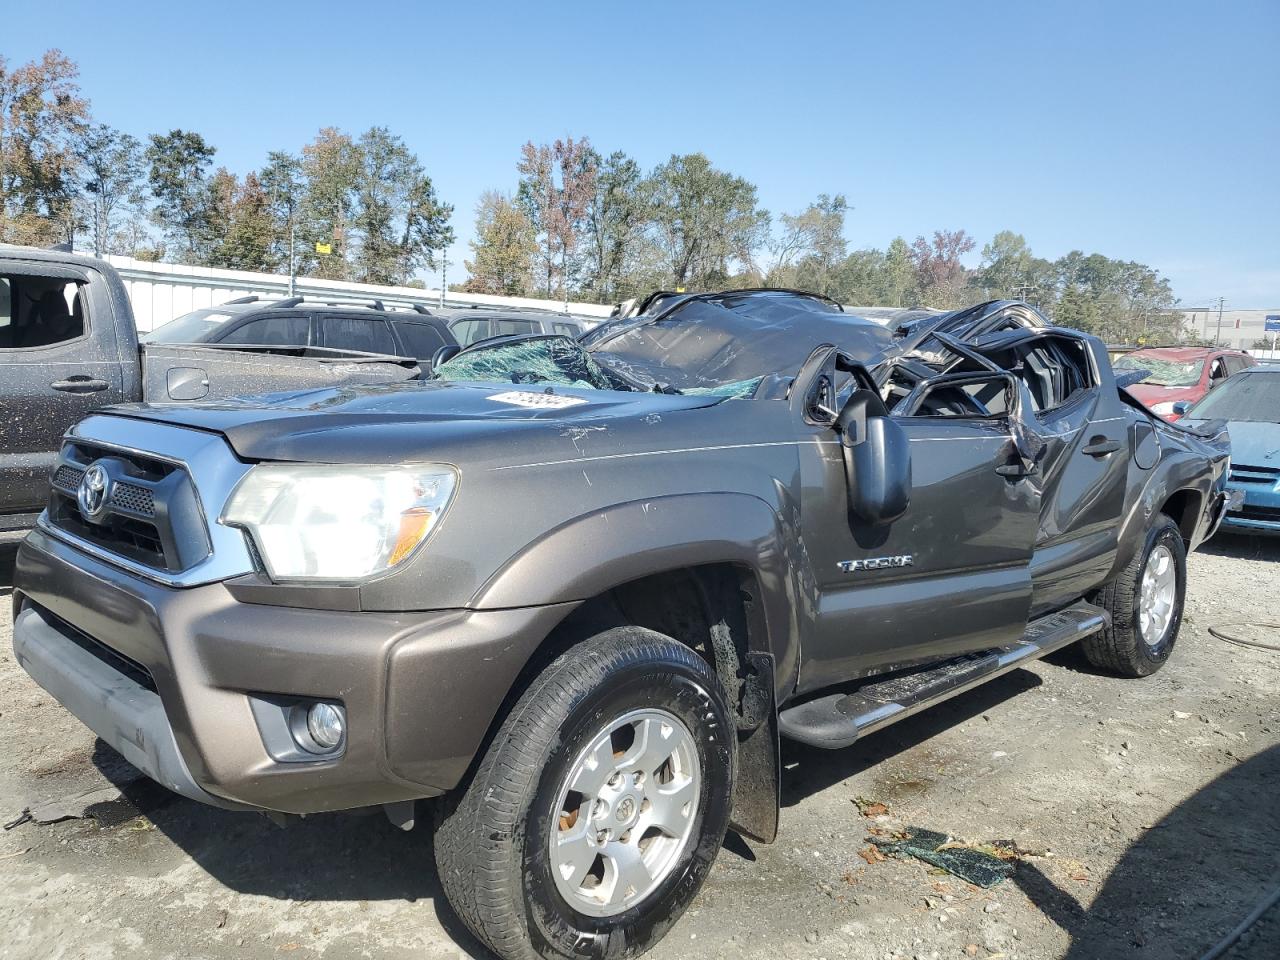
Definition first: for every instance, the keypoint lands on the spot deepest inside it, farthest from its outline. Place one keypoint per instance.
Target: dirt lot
(1148, 811)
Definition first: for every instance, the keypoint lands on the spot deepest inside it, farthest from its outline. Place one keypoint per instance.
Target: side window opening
(975, 396)
(40, 311)
(1055, 371)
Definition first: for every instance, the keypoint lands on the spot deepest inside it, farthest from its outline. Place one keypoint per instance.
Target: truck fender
(591, 554)
(1166, 480)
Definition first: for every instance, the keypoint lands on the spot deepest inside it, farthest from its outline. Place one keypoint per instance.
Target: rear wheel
(1145, 603)
(597, 811)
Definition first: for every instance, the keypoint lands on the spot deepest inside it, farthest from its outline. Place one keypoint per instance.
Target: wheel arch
(632, 544)
(1178, 487)
(709, 570)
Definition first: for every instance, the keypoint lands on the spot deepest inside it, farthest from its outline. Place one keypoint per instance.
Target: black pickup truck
(577, 594)
(69, 344)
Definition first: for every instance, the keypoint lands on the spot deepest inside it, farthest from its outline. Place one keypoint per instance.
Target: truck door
(58, 360)
(953, 573)
(1077, 410)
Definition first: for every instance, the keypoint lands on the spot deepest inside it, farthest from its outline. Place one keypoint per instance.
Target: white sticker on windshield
(537, 401)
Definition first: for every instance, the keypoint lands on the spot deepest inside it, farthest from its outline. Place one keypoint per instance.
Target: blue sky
(1143, 130)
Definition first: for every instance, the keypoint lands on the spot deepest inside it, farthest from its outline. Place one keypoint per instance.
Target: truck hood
(1253, 442)
(420, 420)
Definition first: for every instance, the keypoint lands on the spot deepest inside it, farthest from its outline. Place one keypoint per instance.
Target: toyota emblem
(92, 492)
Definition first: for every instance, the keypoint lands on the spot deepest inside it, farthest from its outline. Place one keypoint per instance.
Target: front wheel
(1145, 603)
(596, 813)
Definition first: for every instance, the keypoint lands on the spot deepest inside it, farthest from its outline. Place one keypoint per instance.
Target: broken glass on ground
(970, 864)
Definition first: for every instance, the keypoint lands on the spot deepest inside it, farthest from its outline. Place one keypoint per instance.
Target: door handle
(1015, 471)
(80, 385)
(1101, 447)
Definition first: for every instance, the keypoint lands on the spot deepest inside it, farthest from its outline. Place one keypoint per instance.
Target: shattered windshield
(722, 346)
(560, 361)
(1164, 373)
(550, 360)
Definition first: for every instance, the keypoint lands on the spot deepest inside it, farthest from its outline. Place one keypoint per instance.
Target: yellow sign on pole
(325, 248)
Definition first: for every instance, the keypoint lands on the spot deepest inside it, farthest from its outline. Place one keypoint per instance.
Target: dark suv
(366, 326)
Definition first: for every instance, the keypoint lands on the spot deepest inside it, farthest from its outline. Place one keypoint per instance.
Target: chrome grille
(135, 499)
(67, 477)
(129, 524)
(188, 473)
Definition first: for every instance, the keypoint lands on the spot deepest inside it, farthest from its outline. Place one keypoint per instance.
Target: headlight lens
(333, 522)
(1163, 409)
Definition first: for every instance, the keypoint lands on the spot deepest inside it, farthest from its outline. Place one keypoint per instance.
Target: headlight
(1163, 409)
(330, 522)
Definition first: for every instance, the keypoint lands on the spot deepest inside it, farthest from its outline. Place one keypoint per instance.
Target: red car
(1180, 373)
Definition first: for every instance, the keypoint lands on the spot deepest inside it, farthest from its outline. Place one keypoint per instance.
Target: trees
(369, 200)
(811, 247)
(705, 221)
(1009, 270)
(398, 219)
(41, 116)
(111, 170)
(557, 184)
(940, 274)
(330, 169)
(503, 249)
(178, 174)
(240, 223)
(282, 182)
(616, 216)
(580, 221)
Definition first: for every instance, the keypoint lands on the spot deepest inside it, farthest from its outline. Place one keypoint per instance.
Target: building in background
(1240, 328)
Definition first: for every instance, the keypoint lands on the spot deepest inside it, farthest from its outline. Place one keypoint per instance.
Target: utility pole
(1217, 336)
(444, 274)
(293, 283)
(1023, 291)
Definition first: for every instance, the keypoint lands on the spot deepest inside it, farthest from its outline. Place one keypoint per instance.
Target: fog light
(325, 724)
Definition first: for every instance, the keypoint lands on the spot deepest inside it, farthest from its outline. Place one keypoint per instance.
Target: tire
(493, 848)
(1122, 646)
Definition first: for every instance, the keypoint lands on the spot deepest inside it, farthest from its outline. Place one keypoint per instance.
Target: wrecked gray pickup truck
(577, 595)
(69, 344)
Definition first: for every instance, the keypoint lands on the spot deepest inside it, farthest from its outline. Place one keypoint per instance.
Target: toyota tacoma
(577, 595)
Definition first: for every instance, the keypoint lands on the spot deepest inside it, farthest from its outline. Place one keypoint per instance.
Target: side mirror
(445, 354)
(1181, 407)
(877, 460)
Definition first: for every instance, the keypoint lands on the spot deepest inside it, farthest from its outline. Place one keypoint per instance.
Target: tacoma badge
(875, 563)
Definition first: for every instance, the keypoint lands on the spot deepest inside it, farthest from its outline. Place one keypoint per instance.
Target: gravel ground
(1146, 812)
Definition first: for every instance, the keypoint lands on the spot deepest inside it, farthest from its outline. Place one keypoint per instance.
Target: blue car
(1250, 403)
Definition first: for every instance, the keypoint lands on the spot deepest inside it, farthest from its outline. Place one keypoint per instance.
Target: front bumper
(1255, 509)
(168, 676)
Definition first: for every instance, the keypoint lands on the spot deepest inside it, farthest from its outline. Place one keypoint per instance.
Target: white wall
(161, 291)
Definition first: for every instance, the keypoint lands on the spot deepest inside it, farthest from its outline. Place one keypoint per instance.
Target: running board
(838, 719)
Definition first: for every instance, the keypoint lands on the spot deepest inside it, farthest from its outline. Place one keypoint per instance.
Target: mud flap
(758, 781)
